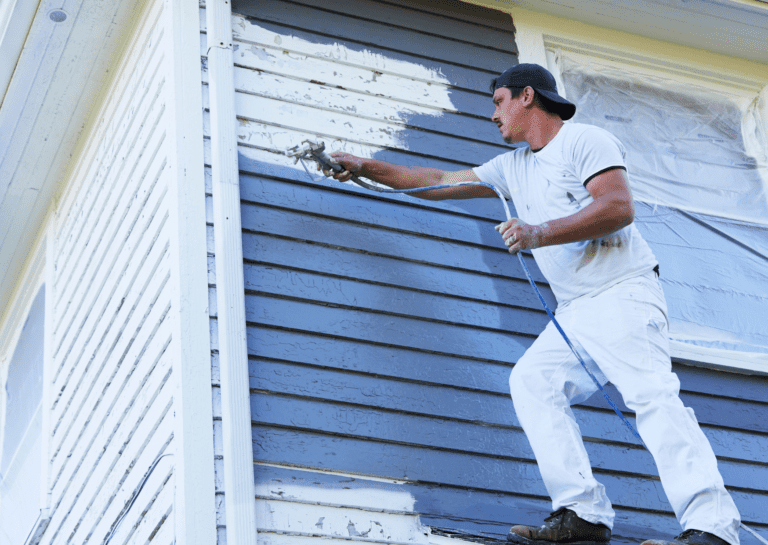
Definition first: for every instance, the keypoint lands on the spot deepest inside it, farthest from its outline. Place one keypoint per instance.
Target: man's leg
(632, 348)
(544, 383)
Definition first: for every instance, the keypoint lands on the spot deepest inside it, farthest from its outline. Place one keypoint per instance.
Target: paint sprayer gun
(316, 152)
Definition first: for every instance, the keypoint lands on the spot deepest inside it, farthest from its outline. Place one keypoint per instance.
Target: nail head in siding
(57, 15)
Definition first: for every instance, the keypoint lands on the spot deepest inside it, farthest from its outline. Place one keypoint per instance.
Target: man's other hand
(519, 235)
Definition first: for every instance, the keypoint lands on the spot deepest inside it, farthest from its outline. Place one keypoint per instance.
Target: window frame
(539, 35)
(34, 275)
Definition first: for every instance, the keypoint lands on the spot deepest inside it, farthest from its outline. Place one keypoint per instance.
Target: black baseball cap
(542, 81)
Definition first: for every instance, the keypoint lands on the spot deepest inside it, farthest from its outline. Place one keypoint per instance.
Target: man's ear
(529, 96)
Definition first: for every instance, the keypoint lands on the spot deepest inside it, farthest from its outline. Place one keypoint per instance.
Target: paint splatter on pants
(622, 335)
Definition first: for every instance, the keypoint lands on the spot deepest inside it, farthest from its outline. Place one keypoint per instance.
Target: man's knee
(523, 381)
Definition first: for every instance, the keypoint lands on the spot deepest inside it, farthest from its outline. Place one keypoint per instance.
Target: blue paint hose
(317, 153)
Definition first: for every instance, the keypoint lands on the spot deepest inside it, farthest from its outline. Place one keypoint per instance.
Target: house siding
(112, 411)
(382, 329)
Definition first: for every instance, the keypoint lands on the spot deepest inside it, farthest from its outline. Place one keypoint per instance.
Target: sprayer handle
(328, 162)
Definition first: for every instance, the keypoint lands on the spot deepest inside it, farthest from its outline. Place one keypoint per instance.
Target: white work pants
(623, 331)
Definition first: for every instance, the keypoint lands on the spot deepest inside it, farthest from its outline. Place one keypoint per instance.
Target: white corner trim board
(194, 505)
(239, 489)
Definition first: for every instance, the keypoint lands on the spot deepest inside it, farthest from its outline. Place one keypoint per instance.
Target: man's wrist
(541, 234)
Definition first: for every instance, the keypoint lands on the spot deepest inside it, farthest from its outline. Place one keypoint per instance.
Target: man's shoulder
(513, 155)
(576, 130)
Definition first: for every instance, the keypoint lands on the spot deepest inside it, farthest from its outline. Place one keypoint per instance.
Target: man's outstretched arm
(611, 210)
(404, 177)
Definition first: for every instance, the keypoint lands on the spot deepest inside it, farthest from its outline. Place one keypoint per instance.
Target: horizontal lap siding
(382, 329)
(112, 415)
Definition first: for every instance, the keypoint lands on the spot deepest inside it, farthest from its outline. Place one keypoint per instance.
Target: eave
(47, 102)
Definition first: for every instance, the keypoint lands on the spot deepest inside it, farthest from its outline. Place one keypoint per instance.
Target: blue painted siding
(382, 330)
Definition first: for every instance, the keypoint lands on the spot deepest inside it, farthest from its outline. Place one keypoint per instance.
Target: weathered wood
(151, 260)
(92, 288)
(122, 393)
(454, 469)
(114, 175)
(271, 162)
(297, 41)
(393, 301)
(134, 443)
(428, 397)
(439, 505)
(259, 116)
(362, 422)
(153, 510)
(337, 202)
(474, 24)
(746, 387)
(388, 271)
(150, 439)
(372, 32)
(325, 521)
(260, 67)
(453, 371)
(406, 112)
(406, 332)
(94, 269)
(371, 239)
(116, 284)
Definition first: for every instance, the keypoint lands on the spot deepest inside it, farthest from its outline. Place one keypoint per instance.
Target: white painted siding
(111, 410)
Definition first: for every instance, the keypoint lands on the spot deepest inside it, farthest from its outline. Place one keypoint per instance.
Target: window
(690, 147)
(21, 432)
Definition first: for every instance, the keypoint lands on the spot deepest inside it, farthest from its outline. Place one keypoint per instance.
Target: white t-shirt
(550, 184)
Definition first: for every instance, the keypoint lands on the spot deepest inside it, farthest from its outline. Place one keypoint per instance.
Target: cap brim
(558, 104)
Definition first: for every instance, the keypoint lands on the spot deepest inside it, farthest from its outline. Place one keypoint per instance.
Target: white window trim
(538, 35)
(35, 273)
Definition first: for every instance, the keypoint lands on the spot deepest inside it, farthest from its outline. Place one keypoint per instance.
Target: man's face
(508, 115)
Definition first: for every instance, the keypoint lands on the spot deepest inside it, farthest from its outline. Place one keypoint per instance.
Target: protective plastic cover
(698, 162)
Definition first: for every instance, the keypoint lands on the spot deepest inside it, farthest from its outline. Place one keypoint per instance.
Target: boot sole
(520, 540)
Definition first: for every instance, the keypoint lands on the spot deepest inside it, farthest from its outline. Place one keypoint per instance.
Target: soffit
(45, 107)
(737, 28)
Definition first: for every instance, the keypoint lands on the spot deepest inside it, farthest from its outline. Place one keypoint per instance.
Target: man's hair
(543, 102)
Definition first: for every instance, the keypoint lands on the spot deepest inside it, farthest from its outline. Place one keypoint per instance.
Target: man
(570, 189)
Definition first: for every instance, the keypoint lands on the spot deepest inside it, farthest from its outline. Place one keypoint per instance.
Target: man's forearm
(608, 213)
(594, 221)
(399, 176)
(405, 177)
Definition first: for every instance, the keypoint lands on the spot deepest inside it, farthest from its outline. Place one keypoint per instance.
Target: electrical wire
(135, 496)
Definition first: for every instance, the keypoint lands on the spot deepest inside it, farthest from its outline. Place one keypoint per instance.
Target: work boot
(562, 526)
(689, 537)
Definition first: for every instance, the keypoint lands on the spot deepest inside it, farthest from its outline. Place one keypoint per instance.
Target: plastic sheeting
(688, 148)
(698, 162)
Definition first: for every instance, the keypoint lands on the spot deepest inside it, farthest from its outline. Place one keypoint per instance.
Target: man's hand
(352, 165)
(519, 235)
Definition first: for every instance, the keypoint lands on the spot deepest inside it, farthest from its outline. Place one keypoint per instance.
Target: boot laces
(556, 514)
